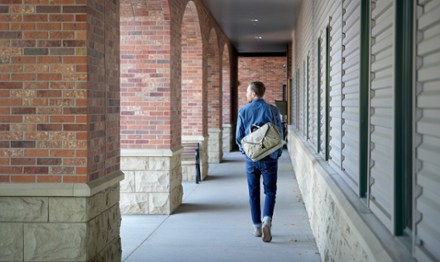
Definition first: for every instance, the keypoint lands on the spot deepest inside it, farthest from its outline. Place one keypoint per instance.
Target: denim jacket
(258, 112)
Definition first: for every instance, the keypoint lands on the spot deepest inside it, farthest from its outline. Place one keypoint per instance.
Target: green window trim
(403, 116)
(318, 97)
(307, 99)
(364, 98)
(327, 93)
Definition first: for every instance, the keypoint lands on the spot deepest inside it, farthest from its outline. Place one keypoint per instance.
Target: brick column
(59, 131)
(215, 153)
(150, 107)
(194, 118)
(227, 139)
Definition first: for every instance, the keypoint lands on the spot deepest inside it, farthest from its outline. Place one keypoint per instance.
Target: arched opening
(192, 90)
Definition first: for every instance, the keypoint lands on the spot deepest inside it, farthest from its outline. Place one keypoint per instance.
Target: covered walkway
(213, 224)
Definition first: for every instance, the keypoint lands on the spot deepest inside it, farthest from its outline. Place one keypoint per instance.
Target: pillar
(228, 138)
(59, 131)
(150, 108)
(215, 146)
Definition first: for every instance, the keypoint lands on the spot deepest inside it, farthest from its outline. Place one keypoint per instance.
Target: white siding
(306, 86)
(427, 204)
(328, 13)
(381, 112)
(335, 88)
(350, 91)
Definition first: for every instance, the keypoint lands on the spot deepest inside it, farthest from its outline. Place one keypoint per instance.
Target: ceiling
(256, 26)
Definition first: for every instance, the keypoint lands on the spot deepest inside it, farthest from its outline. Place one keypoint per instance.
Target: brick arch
(192, 72)
(213, 77)
(142, 9)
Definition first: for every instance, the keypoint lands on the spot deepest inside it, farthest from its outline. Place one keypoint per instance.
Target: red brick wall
(51, 129)
(174, 8)
(152, 103)
(103, 87)
(270, 70)
(145, 75)
(192, 73)
(214, 74)
(226, 85)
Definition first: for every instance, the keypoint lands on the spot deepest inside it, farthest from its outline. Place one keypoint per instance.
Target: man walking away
(257, 113)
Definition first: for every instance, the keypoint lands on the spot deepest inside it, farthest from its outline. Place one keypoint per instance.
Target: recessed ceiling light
(254, 20)
(259, 37)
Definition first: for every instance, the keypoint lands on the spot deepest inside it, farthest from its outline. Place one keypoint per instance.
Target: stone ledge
(215, 130)
(59, 189)
(193, 139)
(367, 233)
(150, 152)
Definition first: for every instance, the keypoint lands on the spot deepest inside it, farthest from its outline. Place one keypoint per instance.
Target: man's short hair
(258, 88)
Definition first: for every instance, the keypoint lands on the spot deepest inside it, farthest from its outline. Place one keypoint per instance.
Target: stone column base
(228, 138)
(153, 181)
(215, 153)
(61, 222)
(204, 164)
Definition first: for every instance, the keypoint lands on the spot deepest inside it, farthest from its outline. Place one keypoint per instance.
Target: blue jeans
(268, 168)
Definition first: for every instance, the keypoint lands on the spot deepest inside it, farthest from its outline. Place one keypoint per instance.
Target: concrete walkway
(214, 223)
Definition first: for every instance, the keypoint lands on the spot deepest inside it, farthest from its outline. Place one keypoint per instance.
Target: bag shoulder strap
(273, 114)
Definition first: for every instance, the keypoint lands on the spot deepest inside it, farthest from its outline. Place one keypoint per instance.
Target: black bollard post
(198, 178)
